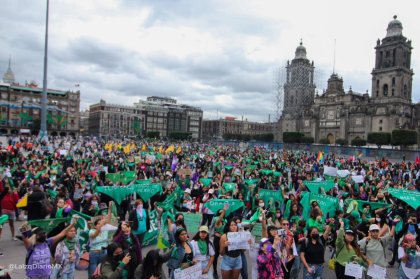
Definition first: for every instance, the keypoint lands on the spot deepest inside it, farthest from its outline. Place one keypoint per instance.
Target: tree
(358, 142)
(292, 137)
(404, 138)
(153, 134)
(324, 141)
(180, 135)
(342, 142)
(307, 140)
(264, 137)
(379, 138)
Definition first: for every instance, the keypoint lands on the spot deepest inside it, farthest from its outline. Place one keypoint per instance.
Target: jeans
(401, 274)
(244, 270)
(316, 275)
(294, 272)
(229, 263)
(94, 260)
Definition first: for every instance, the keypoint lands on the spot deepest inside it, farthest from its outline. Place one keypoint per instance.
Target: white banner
(238, 240)
(192, 272)
(343, 173)
(330, 171)
(358, 178)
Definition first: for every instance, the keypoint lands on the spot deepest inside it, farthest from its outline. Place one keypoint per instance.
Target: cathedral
(337, 114)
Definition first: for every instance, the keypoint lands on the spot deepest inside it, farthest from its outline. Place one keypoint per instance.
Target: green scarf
(70, 244)
(59, 213)
(202, 246)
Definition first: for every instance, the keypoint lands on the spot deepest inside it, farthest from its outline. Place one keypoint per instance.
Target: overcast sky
(218, 55)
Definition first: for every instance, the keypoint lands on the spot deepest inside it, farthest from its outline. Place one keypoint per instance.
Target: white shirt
(411, 273)
(196, 252)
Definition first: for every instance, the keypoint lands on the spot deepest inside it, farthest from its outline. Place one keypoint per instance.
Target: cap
(373, 227)
(263, 240)
(188, 190)
(204, 229)
(211, 191)
(349, 231)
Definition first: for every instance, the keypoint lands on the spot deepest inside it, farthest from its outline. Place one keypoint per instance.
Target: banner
(192, 222)
(327, 204)
(216, 204)
(257, 232)
(229, 187)
(373, 205)
(47, 225)
(146, 191)
(358, 178)
(330, 171)
(270, 197)
(151, 236)
(343, 173)
(412, 198)
(315, 186)
(117, 193)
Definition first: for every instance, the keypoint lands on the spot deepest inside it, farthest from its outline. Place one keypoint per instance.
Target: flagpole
(43, 129)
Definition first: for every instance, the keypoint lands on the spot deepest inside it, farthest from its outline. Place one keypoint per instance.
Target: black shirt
(314, 253)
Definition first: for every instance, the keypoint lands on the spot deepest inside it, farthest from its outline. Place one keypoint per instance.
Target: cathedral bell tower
(392, 76)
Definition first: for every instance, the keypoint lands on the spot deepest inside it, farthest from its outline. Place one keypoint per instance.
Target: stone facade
(336, 114)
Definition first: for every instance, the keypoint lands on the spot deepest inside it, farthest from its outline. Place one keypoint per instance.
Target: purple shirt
(39, 262)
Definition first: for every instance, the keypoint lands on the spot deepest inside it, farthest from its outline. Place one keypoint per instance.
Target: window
(380, 128)
(385, 90)
(380, 121)
(393, 82)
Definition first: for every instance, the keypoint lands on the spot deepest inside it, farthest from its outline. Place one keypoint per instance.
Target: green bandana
(59, 213)
(202, 246)
(70, 244)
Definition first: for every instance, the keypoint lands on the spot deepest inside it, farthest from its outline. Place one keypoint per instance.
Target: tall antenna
(334, 57)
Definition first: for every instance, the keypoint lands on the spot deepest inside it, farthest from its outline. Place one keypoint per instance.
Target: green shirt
(344, 255)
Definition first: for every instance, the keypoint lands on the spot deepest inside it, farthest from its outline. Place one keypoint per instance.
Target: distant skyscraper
(9, 76)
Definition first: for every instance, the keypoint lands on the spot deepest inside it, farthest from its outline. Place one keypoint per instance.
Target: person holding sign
(409, 254)
(232, 261)
(347, 251)
(182, 255)
(203, 250)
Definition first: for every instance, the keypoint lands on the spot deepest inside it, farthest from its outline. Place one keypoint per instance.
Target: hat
(188, 190)
(350, 231)
(211, 191)
(373, 227)
(264, 240)
(204, 229)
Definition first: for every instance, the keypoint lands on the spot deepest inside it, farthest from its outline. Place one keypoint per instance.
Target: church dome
(394, 28)
(300, 52)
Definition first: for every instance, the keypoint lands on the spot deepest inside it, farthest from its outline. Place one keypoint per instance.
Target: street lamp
(43, 133)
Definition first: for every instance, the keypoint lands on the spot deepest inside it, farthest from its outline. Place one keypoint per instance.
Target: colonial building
(336, 114)
(216, 129)
(20, 108)
(111, 120)
(157, 114)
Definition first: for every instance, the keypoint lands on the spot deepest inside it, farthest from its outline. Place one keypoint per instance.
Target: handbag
(83, 262)
(333, 260)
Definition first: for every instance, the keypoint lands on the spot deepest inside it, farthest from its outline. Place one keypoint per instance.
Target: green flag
(206, 181)
(314, 186)
(229, 187)
(147, 191)
(117, 193)
(114, 177)
(48, 224)
(327, 204)
(270, 197)
(373, 205)
(168, 203)
(192, 222)
(151, 236)
(216, 204)
(412, 198)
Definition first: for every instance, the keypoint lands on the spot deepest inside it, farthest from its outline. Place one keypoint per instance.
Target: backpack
(382, 244)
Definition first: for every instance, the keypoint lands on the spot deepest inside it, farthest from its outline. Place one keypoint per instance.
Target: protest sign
(192, 222)
(343, 173)
(358, 178)
(315, 186)
(412, 198)
(330, 171)
(238, 240)
(192, 272)
(376, 271)
(354, 270)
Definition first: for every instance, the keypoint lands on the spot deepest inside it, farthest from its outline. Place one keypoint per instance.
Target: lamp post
(43, 131)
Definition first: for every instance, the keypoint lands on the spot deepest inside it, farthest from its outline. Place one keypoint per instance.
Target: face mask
(196, 187)
(95, 203)
(315, 236)
(269, 247)
(261, 205)
(179, 222)
(378, 219)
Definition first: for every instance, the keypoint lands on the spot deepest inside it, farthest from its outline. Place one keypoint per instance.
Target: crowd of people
(121, 209)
